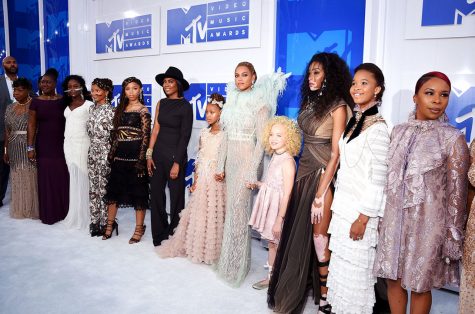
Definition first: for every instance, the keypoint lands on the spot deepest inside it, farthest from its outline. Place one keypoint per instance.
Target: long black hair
(85, 93)
(337, 84)
(124, 101)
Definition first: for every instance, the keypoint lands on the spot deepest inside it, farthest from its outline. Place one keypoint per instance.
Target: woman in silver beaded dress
(248, 107)
(23, 173)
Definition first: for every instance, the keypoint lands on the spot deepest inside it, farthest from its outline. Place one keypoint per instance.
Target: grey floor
(49, 269)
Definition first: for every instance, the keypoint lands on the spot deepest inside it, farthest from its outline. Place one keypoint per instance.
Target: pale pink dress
(266, 206)
(200, 232)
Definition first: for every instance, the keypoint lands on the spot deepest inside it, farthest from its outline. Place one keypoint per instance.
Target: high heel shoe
(139, 232)
(264, 284)
(111, 225)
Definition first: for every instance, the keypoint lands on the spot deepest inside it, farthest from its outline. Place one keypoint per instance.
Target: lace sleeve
(457, 167)
(145, 122)
(200, 147)
(261, 119)
(471, 171)
(373, 196)
(113, 143)
(222, 153)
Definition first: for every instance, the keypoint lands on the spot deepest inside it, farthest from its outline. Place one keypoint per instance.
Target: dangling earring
(141, 98)
(107, 100)
(82, 96)
(324, 85)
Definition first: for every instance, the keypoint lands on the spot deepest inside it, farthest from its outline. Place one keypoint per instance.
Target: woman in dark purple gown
(46, 124)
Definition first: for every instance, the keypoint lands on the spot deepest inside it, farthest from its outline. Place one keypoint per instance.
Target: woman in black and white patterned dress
(99, 128)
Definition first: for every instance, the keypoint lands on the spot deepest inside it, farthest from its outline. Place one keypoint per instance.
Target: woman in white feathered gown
(249, 105)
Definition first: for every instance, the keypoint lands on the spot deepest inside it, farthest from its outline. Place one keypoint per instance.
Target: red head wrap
(424, 78)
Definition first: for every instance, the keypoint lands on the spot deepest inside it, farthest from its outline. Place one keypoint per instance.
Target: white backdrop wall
(203, 66)
(404, 60)
(211, 66)
(390, 41)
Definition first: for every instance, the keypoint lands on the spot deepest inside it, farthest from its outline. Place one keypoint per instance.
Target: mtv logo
(27, 39)
(337, 41)
(461, 111)
(446, 12)
(57, 25)
(116, 95)
(190, 167)
(198, 94)
(110, 36)
(147, 97)
(187, 25)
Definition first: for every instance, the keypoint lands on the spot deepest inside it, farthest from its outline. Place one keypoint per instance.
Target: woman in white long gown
(76, 146)
(359, 198)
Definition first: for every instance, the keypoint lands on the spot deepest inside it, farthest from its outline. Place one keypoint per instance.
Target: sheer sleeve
(471, 171)
(200, 147)
(185, 134)
(222, 153)
(456, 216)
(145, 118)
(7, 113)
(261, 119)
(114, 142)
(373, 195)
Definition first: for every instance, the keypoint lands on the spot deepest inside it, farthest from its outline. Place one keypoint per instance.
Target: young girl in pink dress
(200, 232)
(282, 139)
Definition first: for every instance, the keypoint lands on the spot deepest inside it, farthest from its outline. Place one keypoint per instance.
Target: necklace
(49, 97)
(25, 103)
(275, 152)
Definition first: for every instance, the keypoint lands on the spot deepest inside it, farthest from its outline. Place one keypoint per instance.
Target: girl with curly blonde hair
(282, 140)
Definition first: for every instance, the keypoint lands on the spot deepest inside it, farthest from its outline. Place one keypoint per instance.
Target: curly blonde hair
(294, 138)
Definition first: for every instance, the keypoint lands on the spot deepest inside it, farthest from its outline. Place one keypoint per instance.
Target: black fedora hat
(174, 73)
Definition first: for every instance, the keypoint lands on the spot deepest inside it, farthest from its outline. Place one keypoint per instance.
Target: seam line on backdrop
(221, 27)
(224, 13)
(42, 36)
(6, 28)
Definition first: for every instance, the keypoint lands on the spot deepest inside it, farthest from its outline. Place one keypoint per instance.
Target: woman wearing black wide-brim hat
(166, 154)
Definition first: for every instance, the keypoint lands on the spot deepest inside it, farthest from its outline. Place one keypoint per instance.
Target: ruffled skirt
(350, 274)
(199, 234)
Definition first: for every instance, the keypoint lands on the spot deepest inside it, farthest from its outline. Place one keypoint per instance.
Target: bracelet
(5, 150)
(30, 148)
(359, 220)
(148, 154)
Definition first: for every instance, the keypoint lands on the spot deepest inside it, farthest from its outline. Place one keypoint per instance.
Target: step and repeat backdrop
(179, 31)
(195, 33)
(206, 39)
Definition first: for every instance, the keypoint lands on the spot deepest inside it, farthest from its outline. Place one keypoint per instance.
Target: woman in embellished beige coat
(467, 285)
(422, 230)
